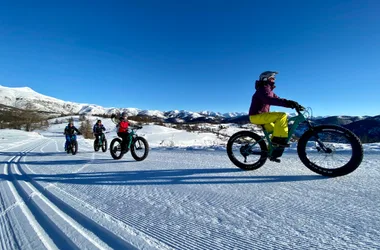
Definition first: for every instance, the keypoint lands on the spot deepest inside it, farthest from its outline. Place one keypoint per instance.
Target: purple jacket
(264, 97)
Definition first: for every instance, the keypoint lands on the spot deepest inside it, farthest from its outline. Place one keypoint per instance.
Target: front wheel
(74, 147)
(104, 145)
(115, 149)
(96, 146)
(330, 150)
(139, 148)
(247, 150)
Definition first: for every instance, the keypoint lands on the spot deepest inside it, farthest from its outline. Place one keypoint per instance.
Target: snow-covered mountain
(367, 128)
(25, 97)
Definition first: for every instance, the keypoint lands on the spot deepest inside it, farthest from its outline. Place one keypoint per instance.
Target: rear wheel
(247, 150)
(330, 150)
(139, 148)
(115, 149)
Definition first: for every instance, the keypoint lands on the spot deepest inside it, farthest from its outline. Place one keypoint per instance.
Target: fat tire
(356, 158)
(104, 145)
(74, 147)
(240, 164)
(96, 147)
(116, 157)
(133, 149)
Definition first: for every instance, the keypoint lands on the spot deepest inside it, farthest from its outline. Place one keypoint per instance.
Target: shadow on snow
(165, 177)
(46, 153)
(215, 175)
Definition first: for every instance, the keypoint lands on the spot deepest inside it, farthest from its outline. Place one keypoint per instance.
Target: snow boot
(279, 145)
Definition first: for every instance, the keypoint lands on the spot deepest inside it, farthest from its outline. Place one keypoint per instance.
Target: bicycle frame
(100, 141)
(131, 134)
(296, 122)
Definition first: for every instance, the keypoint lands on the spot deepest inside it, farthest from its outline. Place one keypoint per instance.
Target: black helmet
(267, 74)
(99, 121)
(124, 114)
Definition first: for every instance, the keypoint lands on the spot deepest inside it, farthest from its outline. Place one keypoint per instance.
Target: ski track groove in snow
(57, 211)
(6, 230)
(79, 219)
(43, 225)
(48, 227)
(90, 207)
(26, 210)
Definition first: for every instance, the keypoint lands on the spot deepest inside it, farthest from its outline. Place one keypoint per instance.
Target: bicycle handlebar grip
(300, 108)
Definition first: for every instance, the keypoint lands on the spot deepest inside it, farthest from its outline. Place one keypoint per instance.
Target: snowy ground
(189, 197)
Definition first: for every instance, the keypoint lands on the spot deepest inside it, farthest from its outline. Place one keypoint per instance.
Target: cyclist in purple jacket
(259, 111)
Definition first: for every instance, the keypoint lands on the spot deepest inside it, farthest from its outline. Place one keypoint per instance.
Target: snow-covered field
(185, 195)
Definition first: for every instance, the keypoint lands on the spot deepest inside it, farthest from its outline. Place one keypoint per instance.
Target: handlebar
(105, 132)
(300, 108)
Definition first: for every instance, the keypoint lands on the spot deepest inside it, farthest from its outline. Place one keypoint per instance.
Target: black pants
(277, 152)
(125, 140)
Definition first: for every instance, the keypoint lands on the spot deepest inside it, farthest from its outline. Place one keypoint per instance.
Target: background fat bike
(72, 146)
(102, 143)
(136, 144)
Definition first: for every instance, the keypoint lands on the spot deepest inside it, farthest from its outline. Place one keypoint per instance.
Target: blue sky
(195, 55)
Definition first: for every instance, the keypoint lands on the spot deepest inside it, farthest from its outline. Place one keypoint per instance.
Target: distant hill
(25, 97)
(367, 128)
(339, 120)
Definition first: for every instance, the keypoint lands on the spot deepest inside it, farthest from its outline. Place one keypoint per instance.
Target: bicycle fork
(321, 145)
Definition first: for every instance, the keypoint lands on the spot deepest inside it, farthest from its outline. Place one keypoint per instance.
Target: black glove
(293, 104)
(79, 133)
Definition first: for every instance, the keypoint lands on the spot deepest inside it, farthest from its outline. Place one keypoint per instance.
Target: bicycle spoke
(139, 148)
(331, 150)
(245, 150)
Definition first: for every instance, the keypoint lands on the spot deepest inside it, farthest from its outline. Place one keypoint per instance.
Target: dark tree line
(29, 120)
